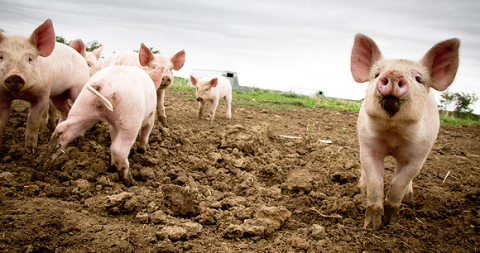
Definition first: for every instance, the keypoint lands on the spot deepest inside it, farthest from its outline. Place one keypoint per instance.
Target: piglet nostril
(199, 99)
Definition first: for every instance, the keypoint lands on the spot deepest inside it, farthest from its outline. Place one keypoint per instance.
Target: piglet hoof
(163, 120)
(373, 215)
(408, 199)
(30, 150)
(51, 125)
(126, 177)
(112, 168)
(391, 214)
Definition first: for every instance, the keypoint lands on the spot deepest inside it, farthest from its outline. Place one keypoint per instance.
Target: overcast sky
(270, 44)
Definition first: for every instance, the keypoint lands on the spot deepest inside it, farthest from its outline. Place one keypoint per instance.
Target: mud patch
(240, 185)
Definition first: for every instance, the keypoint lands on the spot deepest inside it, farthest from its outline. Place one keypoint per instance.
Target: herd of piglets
(399, 116)
(146, 60)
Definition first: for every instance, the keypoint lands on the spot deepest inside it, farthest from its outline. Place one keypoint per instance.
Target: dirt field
(232, 186)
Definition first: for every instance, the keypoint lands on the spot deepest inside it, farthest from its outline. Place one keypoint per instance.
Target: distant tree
(62, 40)
(464, 101)
(151, 49)
(460, 102)
(447, 101)
(90, 46)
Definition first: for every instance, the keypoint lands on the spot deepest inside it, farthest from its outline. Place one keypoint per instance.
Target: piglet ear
(442, 62)
(178, 60)
(78, 46)
(98, 51)
(43, 38)
(145, 55)
(214, 82)
(364, 54)
(1, 36)
(156, 74)
(193, 80)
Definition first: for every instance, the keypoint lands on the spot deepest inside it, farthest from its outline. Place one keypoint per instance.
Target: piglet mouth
(390, 104)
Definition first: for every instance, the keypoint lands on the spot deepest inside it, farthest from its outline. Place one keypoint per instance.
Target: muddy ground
(232, 186)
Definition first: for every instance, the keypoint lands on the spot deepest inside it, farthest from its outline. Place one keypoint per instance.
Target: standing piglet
(147, 59)
(90, 57)
(213, 88)
(399, 117)
(35, 69)
(123, 96)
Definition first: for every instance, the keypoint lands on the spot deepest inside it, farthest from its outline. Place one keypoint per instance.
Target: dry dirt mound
(232, 186)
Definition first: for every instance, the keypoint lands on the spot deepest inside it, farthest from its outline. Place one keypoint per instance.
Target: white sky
(270, 44)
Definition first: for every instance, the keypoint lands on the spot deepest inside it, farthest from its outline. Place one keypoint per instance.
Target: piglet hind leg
(120, 149)
(144, 134)
(67, 131)
(61, 104)
(408, 198)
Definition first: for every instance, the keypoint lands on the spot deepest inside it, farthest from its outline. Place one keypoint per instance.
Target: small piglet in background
(90, 57)
(213, 88)
(123, 96)
(146, 60)
(399, 117)
(36, 69)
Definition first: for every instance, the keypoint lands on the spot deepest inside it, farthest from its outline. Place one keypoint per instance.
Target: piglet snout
(166, 80)
(392, 83)
(200, 99)
(14, 82)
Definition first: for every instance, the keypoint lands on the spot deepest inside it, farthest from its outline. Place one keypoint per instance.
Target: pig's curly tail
(94, 88)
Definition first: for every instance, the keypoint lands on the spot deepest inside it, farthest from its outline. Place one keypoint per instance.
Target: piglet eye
(376, 75)
(418, 79)
(30, 58)
(1, 57)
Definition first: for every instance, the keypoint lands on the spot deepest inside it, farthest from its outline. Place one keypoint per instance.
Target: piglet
(147, 59)
(35, 69)
(90, 57)
(399, 117)
(213, 88)
(123, 96)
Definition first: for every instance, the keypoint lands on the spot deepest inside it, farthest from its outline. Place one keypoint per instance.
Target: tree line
(459, 104)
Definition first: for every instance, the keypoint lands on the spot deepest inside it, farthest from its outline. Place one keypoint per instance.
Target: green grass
(290, 101)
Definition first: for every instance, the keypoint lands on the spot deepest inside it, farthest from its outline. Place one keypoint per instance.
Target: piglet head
(399, 88)
(19, 56)
(148, 59)
(204, 87)
(156, 73)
